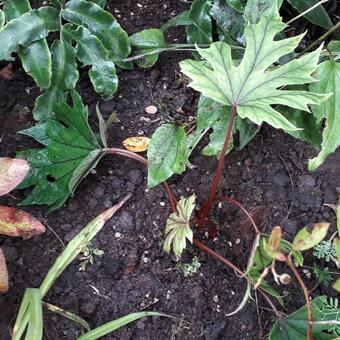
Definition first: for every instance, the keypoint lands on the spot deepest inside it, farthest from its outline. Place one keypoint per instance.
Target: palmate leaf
(251, 86)
(71, 151)
(35, 58)
(178, 229)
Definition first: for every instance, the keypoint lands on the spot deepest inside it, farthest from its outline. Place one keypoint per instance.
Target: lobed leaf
(91, 52)
(17, 223)
(26, 29)
(329, 82)
(250, 86)
(35, 58)
(68, 155)
(12, 173)
(306, 239)
(177, 228)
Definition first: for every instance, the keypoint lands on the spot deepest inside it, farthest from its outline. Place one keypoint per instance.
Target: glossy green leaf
(200, 32)
(147, 41)
(329, 82)
(334, 46)
(236, 5)
(295, 325)
(177, 229)
(91, 52)
(116, 324)
(250, 86)
(101, 3)
(101, 24)
(181, 19)
(254, 9)
(56, 4)
(35, 58)
(64, 78)
(310, 129)
(165, 145)
(26, 29)
(317, 16)
(306, 239)
(70, 144)
(229, 20)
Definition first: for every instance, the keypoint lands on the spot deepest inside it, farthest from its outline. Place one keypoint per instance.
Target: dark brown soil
(269, 176)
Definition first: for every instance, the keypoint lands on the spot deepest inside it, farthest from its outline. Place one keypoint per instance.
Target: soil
(269, 177)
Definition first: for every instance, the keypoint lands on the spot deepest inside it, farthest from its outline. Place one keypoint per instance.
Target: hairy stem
(306, 294)
(208, 204)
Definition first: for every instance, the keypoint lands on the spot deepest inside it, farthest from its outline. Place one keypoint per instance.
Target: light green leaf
(56, 169)
(306, 239)
(181, 19)
(177, 228)
(91, 52)
(29, 27)
(254, 9)
(116, 324)
(147, 41)
(101, 3)
(2, 19)
(200, 32)
(317, 16)
(329, 82)
(101, 24)
(36, 58)
(164, 147)
(64, 78)
(250, 86)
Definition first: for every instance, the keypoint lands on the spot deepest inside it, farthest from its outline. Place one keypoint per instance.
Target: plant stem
(208, 204)
(306, 294)
(319, 40)
(126, 153)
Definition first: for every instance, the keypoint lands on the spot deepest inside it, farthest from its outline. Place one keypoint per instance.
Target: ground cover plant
(247, 78)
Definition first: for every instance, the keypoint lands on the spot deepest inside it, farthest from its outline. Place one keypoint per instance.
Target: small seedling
(88, 256)
(190, 269)
(323, 275)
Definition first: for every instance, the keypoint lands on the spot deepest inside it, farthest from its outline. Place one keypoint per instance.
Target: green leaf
(309, 127)
(336, 246)
(101, 24)
(2, 19)
(254, 9)
(336, 285)
(306, 239)
(329, 82)
(250, 86)
(181, 19)
(64, 78)
(165, 145)
(116, 324)
(177, 228)
(29, 27)
(317, 16)
(147, 41)
(36, 58)
(57, 169)
(295, 325)
(91, 52)
(228, 19)
(247, 131)
(200, 32)
(236, 5)
(101, 3)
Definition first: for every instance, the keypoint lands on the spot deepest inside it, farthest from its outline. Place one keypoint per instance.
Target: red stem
(306, 294)
(208, 204)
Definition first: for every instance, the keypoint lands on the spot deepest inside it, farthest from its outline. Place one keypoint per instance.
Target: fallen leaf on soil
(17, 223)
(3, 273)
(12, 172)
(136, 144)
(151, 110)
(7, 72)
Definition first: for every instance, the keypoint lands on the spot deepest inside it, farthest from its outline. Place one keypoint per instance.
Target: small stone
(126, 221)
(118, 234)
(135, 176)
(92, 202)
(248, 162)
(66, 226)
(151, 110)
(99, 192)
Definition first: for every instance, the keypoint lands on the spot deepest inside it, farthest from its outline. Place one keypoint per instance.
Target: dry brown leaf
(3, 273)
(12, 172)
(17, 223)
(136, 144)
